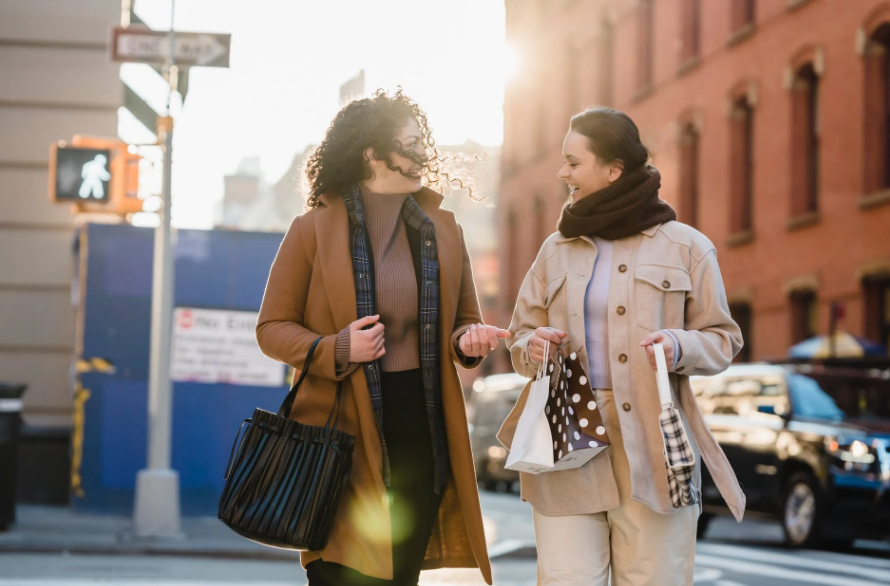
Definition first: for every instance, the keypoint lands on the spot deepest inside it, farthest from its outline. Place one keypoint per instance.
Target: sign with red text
(219, 346)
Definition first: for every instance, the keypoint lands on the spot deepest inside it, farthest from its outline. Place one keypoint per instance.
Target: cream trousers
(640, 546)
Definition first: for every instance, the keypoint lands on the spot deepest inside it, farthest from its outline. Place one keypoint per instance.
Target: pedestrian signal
(81, 175)
(96, 175)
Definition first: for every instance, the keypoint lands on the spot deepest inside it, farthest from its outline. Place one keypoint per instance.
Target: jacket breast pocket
(660, 296)
(552, 289)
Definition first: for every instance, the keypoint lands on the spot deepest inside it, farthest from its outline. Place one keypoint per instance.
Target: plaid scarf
(419, 226)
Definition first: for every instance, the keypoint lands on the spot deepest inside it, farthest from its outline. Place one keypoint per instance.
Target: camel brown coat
(311, 294)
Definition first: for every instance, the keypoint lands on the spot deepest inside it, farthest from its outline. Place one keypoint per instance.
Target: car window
(810, 401)
(751, 397)
(494, 409)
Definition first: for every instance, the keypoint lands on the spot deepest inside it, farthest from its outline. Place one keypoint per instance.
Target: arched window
(805, 131)
(689, 166)
(741, 165)
(607, 63)
(877, 111)
(690, 28)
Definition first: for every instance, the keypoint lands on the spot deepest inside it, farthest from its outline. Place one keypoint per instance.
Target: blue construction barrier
(214, 270)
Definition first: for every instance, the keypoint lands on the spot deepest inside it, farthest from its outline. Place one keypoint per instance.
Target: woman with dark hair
(619, 275)
(381, 274)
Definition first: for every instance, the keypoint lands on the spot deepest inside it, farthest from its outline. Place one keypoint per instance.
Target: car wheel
(703, 521)
(800, 511)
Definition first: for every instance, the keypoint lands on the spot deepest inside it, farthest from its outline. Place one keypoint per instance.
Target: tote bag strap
(661, 378)
(284, 410)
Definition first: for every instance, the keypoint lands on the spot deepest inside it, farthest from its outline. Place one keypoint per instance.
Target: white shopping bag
(532, 448)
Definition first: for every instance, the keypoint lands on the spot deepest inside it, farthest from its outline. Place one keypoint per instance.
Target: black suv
(810, 446)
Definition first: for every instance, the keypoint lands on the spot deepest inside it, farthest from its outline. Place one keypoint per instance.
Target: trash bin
(10, 421)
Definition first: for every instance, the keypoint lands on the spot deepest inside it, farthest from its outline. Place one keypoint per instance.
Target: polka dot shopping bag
(576, 425)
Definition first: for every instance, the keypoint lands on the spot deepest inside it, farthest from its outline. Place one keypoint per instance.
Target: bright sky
(289, 58)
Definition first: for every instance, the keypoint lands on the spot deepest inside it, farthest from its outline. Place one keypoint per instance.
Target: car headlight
(855, 454)
(497, 452)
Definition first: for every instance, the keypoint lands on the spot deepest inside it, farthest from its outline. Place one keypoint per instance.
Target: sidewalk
(41, 529)
(59, 529)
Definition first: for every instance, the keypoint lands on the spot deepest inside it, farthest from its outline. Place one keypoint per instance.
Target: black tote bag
(284, 479)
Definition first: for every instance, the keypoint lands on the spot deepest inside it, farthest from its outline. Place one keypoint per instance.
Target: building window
(689, 165)
(876, 295)
(877, 111)
(607, 63)
(742, 14)
(573, 71)
(691, 30)
(741, 172)
(512, 285)
(646, 44)
(540, 213)
(804, 315)
(540, 114)
(741, 313)
(805, 142)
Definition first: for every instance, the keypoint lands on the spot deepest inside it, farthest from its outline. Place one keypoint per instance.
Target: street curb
(261, 554)
(499, 551)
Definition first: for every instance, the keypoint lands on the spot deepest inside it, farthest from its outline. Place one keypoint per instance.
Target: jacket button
(666, 284)
(427, 326)
(622, 358)
(620, 310)
(429, 242)
(626, 406)
(622, 269)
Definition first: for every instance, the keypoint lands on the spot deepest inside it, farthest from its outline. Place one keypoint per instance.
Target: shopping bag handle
(288, 403)
(661, 378)
(546, 356)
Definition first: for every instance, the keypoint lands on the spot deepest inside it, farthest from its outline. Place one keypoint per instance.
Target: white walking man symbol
(94, 173)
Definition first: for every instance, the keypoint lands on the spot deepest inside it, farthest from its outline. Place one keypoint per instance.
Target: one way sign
(143, 45)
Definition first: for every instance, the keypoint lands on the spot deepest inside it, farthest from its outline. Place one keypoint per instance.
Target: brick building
(768, 120)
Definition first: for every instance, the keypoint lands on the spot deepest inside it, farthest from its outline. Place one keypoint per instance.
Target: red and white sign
(219, 346)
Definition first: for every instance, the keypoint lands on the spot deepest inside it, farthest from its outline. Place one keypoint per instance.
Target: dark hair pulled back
(611, 136)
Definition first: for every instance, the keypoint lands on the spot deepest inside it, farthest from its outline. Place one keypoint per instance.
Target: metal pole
(159, 390)
(156, 512)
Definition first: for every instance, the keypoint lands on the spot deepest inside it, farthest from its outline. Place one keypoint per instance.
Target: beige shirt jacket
(665, 278)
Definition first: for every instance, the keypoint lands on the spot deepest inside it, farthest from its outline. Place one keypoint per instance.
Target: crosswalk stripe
(798, 561)
(508, 546)
(795, 575)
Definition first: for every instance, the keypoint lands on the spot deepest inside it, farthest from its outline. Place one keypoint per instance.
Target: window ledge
(802, 221)
(744, 33)
(740, 239)
(643, 93)
(795, 4)
(874, 200)
(690, 64)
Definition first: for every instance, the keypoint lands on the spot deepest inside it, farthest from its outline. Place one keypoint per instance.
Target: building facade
(769, 122)
(55, 81)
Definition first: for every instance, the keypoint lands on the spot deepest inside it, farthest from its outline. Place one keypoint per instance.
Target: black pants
(413, 504)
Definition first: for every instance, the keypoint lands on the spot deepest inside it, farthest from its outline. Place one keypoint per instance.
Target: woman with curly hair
(378, 271)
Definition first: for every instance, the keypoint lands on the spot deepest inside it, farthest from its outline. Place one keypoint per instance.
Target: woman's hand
(366, 345)
(536, 342)
(480, 339)
(666, 341)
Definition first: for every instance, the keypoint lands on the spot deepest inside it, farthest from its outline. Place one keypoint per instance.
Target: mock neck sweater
(395, 284)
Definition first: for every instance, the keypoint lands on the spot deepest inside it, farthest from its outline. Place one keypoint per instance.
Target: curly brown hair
(338, 162)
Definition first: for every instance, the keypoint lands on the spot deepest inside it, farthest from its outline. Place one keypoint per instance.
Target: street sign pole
(157, 511)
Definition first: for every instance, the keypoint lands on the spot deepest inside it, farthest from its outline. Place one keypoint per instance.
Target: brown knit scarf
(624, 208)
